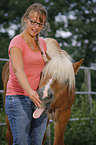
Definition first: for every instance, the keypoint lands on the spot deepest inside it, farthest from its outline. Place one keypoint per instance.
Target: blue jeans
(25, 129)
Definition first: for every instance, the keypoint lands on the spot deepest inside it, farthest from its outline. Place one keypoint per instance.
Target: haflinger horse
(57, 81)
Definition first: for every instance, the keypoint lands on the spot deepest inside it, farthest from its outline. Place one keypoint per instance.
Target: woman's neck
(28, 36)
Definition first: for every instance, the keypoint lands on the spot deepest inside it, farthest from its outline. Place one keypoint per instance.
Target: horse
(59, 74)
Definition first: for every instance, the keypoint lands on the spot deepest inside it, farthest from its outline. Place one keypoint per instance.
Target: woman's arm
(17, 64)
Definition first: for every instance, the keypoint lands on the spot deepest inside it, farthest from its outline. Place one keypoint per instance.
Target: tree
(82, 42)
(78, 18)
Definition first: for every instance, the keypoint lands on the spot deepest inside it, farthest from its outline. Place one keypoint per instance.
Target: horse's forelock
(61, 69)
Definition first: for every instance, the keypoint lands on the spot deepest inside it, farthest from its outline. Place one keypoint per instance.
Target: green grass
(77, 132)
(2, 128)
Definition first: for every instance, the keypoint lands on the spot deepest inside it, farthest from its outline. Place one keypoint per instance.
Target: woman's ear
(25, 20)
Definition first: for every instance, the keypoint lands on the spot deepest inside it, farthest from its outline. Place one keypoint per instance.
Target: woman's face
(33, 24)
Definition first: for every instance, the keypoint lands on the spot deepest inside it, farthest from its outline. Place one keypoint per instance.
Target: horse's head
(62, 74)
(58, 76)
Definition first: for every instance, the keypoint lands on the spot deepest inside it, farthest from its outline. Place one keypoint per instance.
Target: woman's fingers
(35, 98)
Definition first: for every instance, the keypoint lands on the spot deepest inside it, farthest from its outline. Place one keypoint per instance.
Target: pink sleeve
(16, 42)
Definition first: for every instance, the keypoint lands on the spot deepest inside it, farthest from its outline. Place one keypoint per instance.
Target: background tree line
(81, 42)
(72, 24)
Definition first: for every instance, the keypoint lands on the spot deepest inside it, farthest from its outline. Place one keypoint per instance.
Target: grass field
(2, 127)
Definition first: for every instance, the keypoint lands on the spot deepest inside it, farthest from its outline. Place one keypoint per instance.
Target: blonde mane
(54, 49)
(59, 67)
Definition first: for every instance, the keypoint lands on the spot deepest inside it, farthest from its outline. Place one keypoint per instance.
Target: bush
(2, 128)
(83, 130)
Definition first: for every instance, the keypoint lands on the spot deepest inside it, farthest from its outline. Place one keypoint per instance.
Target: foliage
(2, 128)
(77, 132)
(80, 21)
(3, 135)
(82, 131)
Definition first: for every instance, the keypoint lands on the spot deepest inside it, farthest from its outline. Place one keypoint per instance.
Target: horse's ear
(77, 65)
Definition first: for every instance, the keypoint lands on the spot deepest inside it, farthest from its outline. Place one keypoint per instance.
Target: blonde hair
(42, 12)
(35, 8)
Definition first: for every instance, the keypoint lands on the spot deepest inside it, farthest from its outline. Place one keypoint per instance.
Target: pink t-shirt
(33, 65)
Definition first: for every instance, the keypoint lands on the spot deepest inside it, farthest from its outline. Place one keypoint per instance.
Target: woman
(26, 61)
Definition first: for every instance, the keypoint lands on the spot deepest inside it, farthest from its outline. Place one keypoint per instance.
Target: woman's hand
(34, 97)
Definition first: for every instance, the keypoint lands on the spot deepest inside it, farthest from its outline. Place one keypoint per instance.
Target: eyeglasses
(35, 23)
